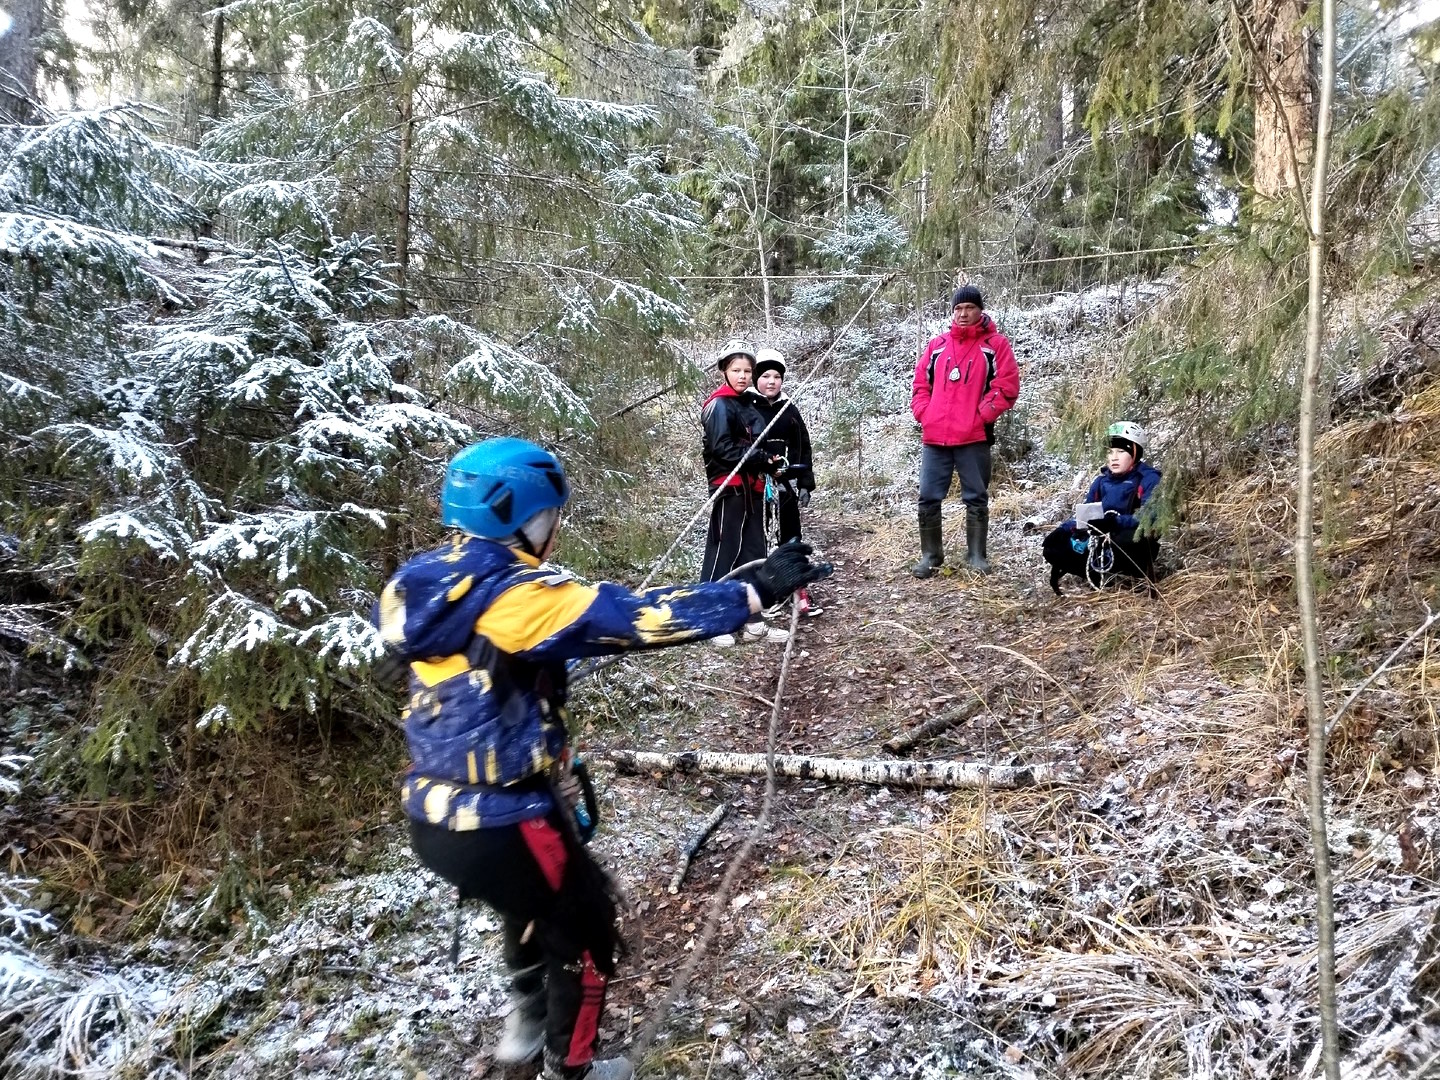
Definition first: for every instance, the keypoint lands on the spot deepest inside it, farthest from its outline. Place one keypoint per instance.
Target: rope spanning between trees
(585, 671)
(681, 982)
(952, 272)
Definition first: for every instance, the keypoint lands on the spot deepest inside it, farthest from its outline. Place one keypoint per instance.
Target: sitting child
(1107, 544)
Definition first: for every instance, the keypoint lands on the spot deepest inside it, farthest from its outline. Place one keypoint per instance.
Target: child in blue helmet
(486, 629)
(1107, 545)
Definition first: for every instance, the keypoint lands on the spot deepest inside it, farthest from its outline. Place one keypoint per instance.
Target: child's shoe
(754, 631)
(604, 1069)
(807, 609)
(776, 636)
(723, 641)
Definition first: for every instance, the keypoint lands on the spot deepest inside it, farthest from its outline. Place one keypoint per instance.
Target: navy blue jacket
(481, 752)
(1125, 495)
(789, 438)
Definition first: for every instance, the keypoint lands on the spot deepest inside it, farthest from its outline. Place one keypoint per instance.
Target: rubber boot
(977, 523)
(524, 1035)
(932, 543)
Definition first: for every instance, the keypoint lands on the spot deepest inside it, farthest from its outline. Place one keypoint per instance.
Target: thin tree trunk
(764, 272)
(406, 108)
(217, 65)
(924, 774)
(20, 61)
(1304, 561)
(845, 143)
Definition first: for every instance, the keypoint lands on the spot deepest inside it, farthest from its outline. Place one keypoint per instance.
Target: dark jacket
(965, 378)
(1122, 495)
(789, 438)
(486, 632)
(730, 425)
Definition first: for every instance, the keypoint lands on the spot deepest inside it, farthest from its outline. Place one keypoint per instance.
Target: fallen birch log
(933, 727)
(687, 856)
(929, 774)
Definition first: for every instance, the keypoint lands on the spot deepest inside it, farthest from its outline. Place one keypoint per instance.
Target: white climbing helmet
(1129, 431)
(735, 347)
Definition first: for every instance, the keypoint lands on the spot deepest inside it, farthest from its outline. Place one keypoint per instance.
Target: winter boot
(977, 522)
(932, 543)
(524, 1035)
(604, 1069)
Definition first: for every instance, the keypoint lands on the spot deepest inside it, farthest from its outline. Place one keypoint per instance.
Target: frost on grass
(354, 980)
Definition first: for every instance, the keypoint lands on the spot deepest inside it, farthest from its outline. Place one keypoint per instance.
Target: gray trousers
(938, 464)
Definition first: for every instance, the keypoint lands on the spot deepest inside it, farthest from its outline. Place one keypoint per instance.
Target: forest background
(266, 265)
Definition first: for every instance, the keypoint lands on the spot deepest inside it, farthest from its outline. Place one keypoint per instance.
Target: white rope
(721, 899)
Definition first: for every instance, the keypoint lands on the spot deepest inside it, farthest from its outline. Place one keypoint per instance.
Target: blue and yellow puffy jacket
(475, 763)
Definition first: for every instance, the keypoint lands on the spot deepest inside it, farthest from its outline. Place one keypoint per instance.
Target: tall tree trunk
(1304, 563)
(20, 60)
(217, 65)
(845, 32)
(406, 108)
(1284, 95)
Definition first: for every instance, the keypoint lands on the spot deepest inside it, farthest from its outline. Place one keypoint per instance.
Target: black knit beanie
(967, 294)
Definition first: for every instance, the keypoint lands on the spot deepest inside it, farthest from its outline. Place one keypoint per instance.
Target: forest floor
(1151, 918)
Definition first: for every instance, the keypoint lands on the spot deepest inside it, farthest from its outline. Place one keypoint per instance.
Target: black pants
(737, 532)
(786, 511)
(1131, 557)
(536, 872)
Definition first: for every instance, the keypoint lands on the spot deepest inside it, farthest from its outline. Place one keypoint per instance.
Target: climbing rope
(589, 668)
(718, 903)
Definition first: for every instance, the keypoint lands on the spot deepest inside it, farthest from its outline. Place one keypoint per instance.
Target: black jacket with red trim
(730, 426)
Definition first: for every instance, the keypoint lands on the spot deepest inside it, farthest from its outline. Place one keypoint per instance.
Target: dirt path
(888, 652)
(885, 932)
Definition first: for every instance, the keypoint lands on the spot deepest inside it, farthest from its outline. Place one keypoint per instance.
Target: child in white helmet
(1105, 543)
(788, 439)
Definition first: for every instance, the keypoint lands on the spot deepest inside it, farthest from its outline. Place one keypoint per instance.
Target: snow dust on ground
(1152, 920)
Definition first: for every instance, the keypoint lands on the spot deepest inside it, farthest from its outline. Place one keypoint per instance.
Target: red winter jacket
(964, 380)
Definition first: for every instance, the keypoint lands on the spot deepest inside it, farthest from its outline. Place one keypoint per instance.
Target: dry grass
(1160, 922)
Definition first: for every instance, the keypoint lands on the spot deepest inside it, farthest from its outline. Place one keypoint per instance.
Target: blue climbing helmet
(492, 488)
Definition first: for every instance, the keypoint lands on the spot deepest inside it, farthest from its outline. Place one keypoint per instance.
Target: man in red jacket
(964, 380)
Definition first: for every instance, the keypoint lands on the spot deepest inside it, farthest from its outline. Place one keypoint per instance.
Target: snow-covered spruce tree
(506, 206)
(217, 463)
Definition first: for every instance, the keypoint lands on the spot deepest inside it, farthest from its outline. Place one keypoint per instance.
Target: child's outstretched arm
(557, 618)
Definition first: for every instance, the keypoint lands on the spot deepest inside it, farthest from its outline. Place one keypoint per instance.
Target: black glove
(390, 668)
(1109, 523)
(804, 497)
(788, 568)
(777, 467)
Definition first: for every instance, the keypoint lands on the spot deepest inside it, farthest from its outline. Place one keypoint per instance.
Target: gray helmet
(735, 347)
(1127, 431)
